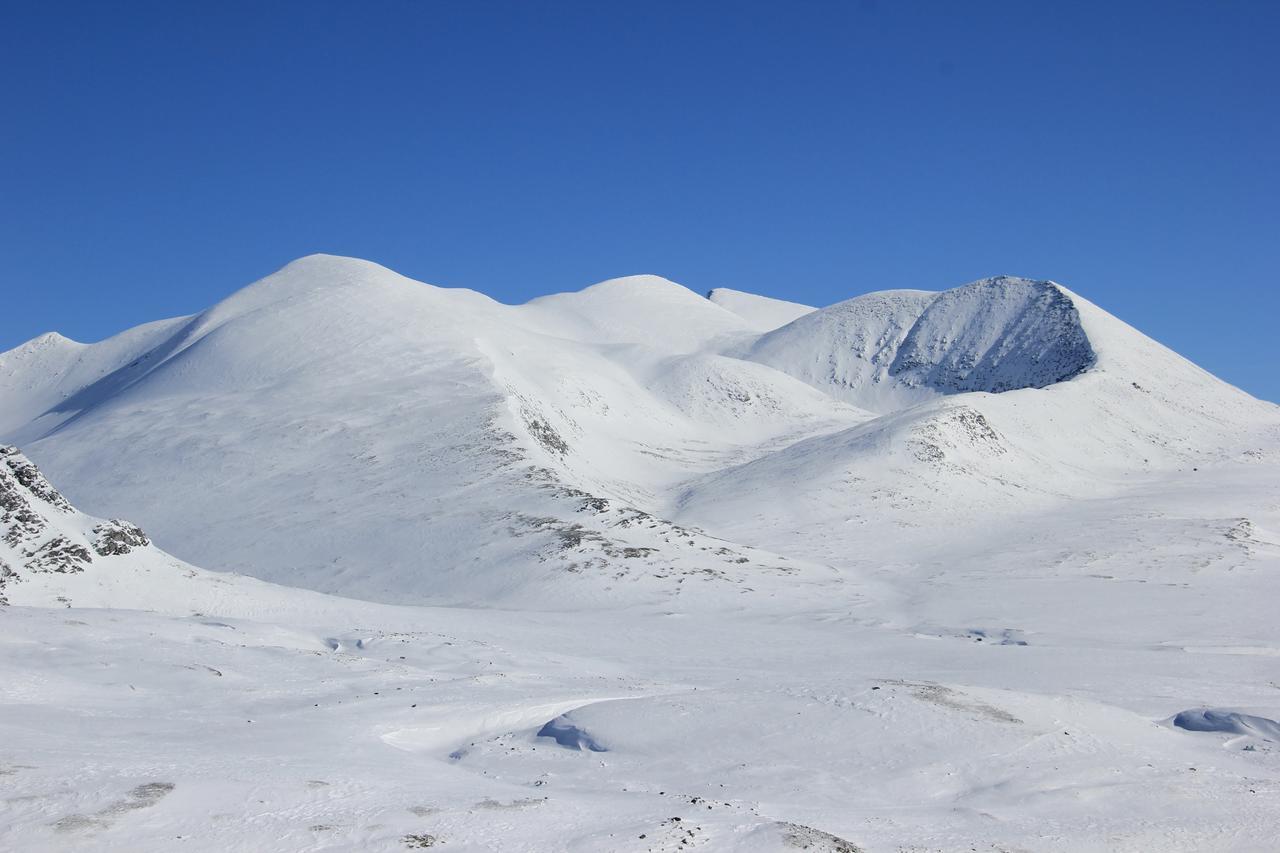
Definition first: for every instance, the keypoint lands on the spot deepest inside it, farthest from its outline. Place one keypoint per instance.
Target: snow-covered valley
(635, 569)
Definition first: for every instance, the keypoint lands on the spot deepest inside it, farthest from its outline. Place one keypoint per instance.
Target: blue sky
(156, 156)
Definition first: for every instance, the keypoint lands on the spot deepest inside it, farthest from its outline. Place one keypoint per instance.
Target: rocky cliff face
(40, 531)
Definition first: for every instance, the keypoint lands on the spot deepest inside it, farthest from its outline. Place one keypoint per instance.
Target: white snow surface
(634, 569)
(762, 312)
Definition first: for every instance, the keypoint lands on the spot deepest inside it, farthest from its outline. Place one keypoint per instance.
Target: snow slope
(236, 715)
(631, 569)
(763, 313)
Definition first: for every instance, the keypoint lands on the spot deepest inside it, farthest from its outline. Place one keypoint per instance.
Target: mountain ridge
(474, 433)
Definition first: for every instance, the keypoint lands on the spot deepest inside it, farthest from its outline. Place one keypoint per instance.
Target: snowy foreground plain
(632, 569)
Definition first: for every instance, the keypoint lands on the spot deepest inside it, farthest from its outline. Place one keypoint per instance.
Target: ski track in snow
(631, 569)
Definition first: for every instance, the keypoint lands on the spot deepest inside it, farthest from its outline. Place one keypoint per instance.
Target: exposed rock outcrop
(40, 531)
(117, 537)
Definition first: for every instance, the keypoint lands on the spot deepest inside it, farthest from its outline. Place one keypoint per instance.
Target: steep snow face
(845, 350)
(994, 335)
(763, 313)
(886, 350)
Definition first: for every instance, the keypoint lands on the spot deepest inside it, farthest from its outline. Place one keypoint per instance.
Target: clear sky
(154, 157)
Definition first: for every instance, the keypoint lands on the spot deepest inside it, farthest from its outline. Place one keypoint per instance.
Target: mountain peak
(636, 281)
(48, 341)
(320, 263)
(638, 309)
(645, 286)
(888, 349)
(318, 271)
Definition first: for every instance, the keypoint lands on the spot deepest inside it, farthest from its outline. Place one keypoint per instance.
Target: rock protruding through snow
(42, 533)
(115, 537)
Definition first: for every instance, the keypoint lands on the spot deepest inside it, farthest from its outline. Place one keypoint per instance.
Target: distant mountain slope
(341, 427)
(762, 312)
(638, 309)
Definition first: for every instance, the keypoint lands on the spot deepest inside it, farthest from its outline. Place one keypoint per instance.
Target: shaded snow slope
(43, 378)
(994, 335)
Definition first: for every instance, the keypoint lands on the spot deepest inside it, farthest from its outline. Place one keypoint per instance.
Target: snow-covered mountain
(634, 569)
(340, 427)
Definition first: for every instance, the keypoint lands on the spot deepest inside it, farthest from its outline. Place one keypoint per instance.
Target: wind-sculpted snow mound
(1226, 721)
(886, 350)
